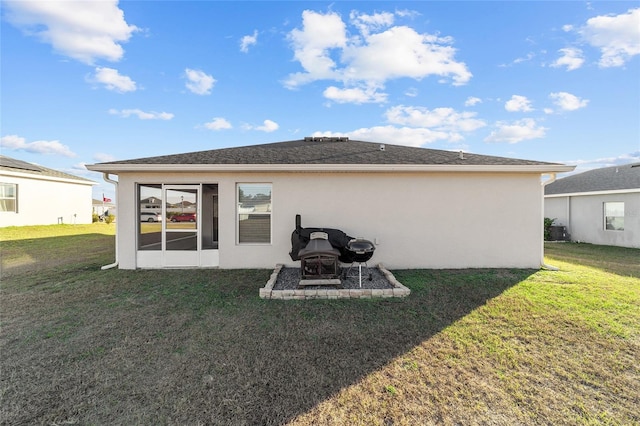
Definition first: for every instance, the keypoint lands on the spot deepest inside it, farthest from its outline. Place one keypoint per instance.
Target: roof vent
(382, 147)
(461, 155)
(326, 138)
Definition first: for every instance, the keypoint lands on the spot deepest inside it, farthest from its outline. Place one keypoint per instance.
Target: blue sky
(91, 81)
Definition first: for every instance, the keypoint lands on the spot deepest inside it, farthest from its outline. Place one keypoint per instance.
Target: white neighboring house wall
(416, 219)
(45, 200)
(583, 215)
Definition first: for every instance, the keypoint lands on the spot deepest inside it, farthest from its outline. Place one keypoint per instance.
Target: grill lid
(360, 246)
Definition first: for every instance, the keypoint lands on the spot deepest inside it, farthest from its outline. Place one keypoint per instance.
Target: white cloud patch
(440, 119)
(113, 80)
(247, 41)
(378, 52)
(571, 58)
(472, 100)
(417, 126)
(354, 95)
(82, 30)
(368, 23)
(616, 36)
(199, 82)
(17, 143)
(142, 115)
(518, 103)
(568, 102)
(517, 131)
(218, 123)
(268, 126)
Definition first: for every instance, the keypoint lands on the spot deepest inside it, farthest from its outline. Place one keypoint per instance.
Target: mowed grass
(84, 346)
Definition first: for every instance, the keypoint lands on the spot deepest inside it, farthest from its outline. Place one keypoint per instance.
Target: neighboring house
(102, 206)
(423, 208)
(600, 206)
(35, 195)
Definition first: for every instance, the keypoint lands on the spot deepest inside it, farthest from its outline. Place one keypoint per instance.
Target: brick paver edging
(398, 290)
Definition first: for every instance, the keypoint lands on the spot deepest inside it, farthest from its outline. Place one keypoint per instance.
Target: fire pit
(359, 251)
(319, 260)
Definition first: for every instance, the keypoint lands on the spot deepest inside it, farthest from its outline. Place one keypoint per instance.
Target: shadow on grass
(200, 347)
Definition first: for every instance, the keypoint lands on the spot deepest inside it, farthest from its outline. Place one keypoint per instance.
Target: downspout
(552, 178)
(105, 176)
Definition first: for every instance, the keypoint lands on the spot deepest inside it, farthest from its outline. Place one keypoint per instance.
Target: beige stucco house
(423, 208)
(600, 206)
(31, 194)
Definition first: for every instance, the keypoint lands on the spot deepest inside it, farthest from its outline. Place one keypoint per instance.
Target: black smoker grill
(359, 251)
(320, 249)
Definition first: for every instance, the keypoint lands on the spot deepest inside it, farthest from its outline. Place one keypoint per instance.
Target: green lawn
(84, 346)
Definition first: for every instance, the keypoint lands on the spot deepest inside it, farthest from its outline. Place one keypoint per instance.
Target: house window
(150, 217)
(8, 197)
(614, 216)
(254, 213)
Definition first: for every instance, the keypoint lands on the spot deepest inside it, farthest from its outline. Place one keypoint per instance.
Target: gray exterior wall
(583, 215)
(419, 220)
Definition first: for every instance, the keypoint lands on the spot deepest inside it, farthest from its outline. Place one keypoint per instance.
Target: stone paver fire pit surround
(391, 288)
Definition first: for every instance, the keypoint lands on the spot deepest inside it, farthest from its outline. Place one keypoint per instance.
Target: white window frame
(619, 205)
(268, 213)
(3, 197)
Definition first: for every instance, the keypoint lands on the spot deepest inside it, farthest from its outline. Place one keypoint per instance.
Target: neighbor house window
(8, 197)
(614, 216)
(254, 213)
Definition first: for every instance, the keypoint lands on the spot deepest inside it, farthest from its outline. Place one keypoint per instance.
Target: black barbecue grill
(359, 252)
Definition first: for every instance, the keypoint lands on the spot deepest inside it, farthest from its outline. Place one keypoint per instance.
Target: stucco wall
(583, 217)
(47, 202)
(428, 220)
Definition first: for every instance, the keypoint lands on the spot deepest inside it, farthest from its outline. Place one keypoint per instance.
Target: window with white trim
(254, 213)
(614, 216)
(8, 197)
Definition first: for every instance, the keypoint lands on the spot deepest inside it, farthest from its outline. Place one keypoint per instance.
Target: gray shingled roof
(14, 165)
(327, 151)
(604, 179)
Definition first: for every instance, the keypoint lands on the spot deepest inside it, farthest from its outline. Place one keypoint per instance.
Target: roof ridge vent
(326, 138)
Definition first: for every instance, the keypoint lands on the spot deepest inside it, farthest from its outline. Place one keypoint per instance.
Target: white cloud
(441, 119)
(617, 37)
(567, 101)
(142, 115)
(354, 95)
(17, 143)
(412, 92)
(218, 123)
(311, 46)
(571, 58)
(248, 40)
(82, 30)
(516, 132)
(199, 82)
(112, 80)
(377, 53)
(367, 23)
(402, 52)
(472, 100)
(518, 103)
(268, 126)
